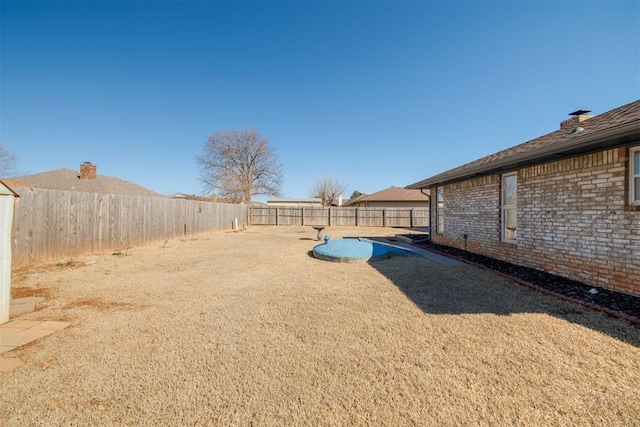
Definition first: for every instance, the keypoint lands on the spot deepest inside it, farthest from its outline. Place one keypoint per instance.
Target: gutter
(428, 197)
(626, 134)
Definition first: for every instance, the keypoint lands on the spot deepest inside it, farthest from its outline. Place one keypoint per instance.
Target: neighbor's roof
(391, 194)
(67, 179)
(354, 200)
(192, 197)
(615, 128)
(308, 200)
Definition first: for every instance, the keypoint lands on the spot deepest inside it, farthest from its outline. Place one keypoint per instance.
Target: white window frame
(505, 207)
(633, 176)
(439, 210)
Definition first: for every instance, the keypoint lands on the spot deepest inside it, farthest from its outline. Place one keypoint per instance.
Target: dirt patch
(100, 304)
(25, 291)
(31, 269)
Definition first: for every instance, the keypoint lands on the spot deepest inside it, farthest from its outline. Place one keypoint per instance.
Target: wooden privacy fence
(55, 224)
(360, 216)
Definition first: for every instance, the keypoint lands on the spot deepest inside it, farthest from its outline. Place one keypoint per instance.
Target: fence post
(329, 215)
(302, 219)
(384, 217)
(356, 216)
(184, 214)
(277, 212)
(411, 218)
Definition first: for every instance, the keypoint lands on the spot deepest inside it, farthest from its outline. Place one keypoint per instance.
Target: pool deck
(424, 253)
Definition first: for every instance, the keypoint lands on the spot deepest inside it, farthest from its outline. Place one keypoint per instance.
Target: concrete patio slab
(15, 340)
(23, 305)
(22, 308)
(20, 332)
(27, 300)
(22, 324)
(7, 364)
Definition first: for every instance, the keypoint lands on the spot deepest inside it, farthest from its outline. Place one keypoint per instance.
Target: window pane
(440, 215)
(510, 224)
(637, 189)
(636, 163)
(440, 209)
(510, 190)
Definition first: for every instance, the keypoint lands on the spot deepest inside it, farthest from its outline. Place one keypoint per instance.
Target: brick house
(567, 203)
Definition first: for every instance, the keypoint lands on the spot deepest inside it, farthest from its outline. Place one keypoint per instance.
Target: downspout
(428, 197)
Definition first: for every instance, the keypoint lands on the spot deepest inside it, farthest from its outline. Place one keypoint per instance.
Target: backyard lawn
(247, 328)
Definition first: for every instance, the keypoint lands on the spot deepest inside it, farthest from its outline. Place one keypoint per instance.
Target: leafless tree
(8, 162)
(239, 165)
(328, 189)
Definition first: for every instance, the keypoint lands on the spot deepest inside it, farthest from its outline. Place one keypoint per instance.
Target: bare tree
(328, 189)
(8, 162)
(239, 165)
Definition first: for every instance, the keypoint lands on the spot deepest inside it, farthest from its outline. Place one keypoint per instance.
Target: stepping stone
(24, 305)
(18, 309)
(9, 363)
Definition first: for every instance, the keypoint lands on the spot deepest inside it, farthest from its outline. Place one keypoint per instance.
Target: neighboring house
(87, 180)
(213, 198)
(567, 203)
(312, 202)
(228, 200)
(392, 197)
(193, 197)
(355, 200)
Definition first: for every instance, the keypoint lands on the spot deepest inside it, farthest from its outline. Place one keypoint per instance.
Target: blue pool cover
(355, 250)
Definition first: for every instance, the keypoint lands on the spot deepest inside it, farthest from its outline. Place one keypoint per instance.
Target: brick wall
(573, 220)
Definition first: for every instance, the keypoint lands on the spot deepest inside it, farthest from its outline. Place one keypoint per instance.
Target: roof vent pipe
(576, 130)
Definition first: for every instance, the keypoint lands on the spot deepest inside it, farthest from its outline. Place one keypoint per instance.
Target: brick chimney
(87, 171)
(577, 117)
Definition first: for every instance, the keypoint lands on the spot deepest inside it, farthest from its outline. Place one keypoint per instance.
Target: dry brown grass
(247, 328)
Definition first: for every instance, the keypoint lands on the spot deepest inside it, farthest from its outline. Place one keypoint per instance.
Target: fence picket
(55, 224)
(336, 216)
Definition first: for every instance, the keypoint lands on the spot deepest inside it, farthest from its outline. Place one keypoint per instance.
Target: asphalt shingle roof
(392, 194)
(67, 179)
(553, 144)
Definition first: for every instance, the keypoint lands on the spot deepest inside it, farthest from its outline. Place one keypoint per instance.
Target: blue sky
(371, 93)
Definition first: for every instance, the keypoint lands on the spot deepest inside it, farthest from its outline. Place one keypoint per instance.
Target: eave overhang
(623, 135)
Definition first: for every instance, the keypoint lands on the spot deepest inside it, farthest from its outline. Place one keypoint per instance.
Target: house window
(440, 210)
(510, 207)
(634, 179)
